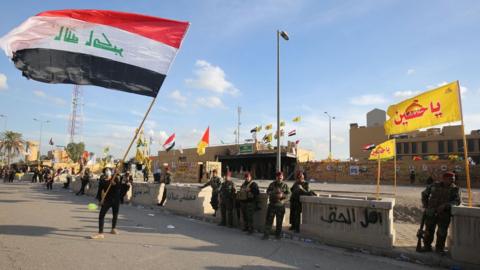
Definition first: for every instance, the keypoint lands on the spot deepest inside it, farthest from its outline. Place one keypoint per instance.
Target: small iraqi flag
(292, 133)
(368, 147)
(169, 143)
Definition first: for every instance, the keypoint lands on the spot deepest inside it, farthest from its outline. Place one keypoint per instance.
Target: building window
(405, 148)
(460, 146)
(449, 146)
(414, 147)
(441, 147)
(399, 148)
(470, 145)
(424, 147)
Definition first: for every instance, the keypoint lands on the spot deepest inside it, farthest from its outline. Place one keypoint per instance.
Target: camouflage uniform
(227, 199)
(277, 193)
(215, 182)
(437, 199)
(249, 204)
(298, 189)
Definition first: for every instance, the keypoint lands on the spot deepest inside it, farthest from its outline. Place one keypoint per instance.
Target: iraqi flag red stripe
(169, 32)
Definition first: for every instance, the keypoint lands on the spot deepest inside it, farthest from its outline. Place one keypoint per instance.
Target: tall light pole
(4, 130)
(40, 139)
(329, 134)
(284, 35)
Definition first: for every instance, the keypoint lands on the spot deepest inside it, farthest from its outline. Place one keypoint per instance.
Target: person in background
(438, 199)
(215, 183)
(227, 199)
(157, 175)
(145, 173)
(108, 198)
(49, 179)
(125, 186)
(412, 176)
(69, 178)
(277, 193)
(85, 179)
(167, 179)
(248, 196)
(299, 188)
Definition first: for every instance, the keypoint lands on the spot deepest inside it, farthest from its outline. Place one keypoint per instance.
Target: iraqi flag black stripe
(56, 66)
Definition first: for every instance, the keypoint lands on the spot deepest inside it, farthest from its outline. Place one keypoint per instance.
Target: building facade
(257, 158)
(442, 142)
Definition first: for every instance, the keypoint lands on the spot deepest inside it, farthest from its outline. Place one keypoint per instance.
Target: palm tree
(12, 143)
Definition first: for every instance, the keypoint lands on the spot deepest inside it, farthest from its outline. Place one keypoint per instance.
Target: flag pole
(378, 178)
(395, 174)
(465, 150)
(137, 131)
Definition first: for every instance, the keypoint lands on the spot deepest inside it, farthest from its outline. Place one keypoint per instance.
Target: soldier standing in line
(247, 195)
(227, 199)
(438, 199)
(215, 183)
(167, 179)
(277, 193)
(299, 188)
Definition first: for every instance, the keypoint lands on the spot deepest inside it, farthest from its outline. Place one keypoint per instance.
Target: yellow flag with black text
(385, 150)
(431, 108)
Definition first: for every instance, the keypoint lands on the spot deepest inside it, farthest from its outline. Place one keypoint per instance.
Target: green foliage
(12, 144)
(75, 151)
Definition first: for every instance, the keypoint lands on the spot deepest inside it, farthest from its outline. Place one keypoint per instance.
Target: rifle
(421, 232)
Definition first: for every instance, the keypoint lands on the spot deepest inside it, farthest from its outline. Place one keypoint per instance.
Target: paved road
(42, 229)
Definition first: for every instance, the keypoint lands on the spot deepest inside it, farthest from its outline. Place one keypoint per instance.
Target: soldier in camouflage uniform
(437, 199)
(247, 196)
(215, 183)
(299, 188)
(227, 200)
(277, 193)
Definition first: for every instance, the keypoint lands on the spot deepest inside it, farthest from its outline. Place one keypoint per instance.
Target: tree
(75, 151)
(12, 144)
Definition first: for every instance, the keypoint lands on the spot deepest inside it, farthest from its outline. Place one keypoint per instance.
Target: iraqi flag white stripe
(125, 47)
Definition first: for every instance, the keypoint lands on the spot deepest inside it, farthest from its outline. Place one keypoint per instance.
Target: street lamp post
(284, 35)
(4, 130)
(40, 139)
(329, 134)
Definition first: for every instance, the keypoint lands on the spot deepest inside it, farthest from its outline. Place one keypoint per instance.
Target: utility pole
(284, 35)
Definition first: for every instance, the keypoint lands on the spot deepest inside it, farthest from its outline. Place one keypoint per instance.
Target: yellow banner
(434, 107)
(385, 150)
(268, 127)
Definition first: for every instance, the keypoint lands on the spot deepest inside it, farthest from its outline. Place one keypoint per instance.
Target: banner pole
(378, 178)
(117, 166)
(395, 175)
(465, 150)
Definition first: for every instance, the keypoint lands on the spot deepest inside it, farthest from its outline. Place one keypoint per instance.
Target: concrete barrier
(464, 236)
(189, 199)
(351, 222)
(145, 193)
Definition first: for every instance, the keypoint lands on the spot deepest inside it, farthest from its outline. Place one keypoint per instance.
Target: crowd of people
(245, 201)
(437, 199)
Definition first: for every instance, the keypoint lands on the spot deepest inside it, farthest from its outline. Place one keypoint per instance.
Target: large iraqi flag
(117, 50)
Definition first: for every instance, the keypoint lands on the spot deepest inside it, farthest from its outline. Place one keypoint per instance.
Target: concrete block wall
(464, 235)
(351, 221)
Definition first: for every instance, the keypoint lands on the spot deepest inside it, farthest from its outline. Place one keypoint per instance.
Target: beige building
(257, 158)
(440, 142)
(31, 151)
